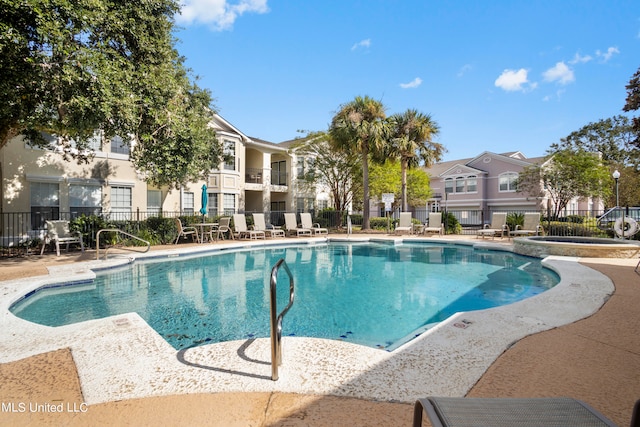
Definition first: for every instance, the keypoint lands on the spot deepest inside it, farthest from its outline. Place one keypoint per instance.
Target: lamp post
(616, 176)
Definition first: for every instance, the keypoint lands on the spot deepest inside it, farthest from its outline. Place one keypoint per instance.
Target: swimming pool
(375, 294)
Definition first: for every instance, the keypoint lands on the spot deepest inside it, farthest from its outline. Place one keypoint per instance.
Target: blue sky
(495, 75)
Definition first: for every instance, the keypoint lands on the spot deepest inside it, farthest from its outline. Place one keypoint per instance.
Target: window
(459, 184)
(472, 184)
(448, 185)
(230, 155)
(119, 146)
(85, 200)
(507, 181)
(45, 203)
(188, 203)
(229, 201)
(323, 204)
(278, 206)
(154, 202)
(121, 203)
(213, 204)
(300, 167)
(279, 173)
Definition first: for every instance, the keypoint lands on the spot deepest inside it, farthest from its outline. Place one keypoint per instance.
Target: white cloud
(560, 73)
(512, 80)
(366, 43)
(579, 59)
(412, 84)
(608, 54)
(218, 14)
(463, 70)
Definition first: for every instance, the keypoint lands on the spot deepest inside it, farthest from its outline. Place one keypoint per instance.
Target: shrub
(451, 223)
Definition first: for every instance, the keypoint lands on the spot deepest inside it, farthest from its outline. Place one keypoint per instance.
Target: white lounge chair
(224, 228)
(404, 225)
(185, 231)
(58, 232)
(498, 226)
(259, 225)
(305, 219)
(434, 224)
(241, 230)
(291, 225)
(531, 226)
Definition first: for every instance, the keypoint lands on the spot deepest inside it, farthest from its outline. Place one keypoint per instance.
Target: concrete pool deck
(121, 362)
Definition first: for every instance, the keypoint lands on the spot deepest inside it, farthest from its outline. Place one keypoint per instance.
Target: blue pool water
(378, 295)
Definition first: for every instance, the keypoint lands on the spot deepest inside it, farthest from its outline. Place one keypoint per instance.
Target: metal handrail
(276, 320)
(123, 248)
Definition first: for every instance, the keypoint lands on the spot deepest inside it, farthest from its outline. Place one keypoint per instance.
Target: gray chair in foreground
(508, 412)
(185, 231)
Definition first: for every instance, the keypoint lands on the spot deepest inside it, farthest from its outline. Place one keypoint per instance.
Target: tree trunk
(405, 204)
(365, 184)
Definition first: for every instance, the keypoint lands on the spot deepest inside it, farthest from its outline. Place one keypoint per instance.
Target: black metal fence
(24, 231)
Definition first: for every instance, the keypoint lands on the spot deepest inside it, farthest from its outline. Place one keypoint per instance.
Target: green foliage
(89, 226)
(359, 126)
(381, 223)
(514, 219)
(632, 103)
(567, 175)
(451, 223)
(73, 68)
(410, 142)
(337, 170)
(386, 178)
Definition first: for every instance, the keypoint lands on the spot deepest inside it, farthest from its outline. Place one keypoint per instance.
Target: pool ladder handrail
(117, 230)
(276, 320)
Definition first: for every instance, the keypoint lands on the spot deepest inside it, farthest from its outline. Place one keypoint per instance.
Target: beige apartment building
(39, 184)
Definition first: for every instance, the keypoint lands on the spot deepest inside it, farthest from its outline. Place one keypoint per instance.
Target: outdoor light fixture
(616, 176)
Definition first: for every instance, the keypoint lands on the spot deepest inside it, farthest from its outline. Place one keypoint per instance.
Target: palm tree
(360, 126)
(410, 142)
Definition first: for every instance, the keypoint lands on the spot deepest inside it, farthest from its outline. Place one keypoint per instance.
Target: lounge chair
(434, 225)
(305, 219)
(498, 226)
(531, 226)
(58, 232)
(404, 225)
(291, 225)
(224, 228)
(259, 225)
(185, 232)
(241, 230)
(492, 412)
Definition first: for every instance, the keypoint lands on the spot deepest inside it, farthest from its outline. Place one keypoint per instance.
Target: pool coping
(121, 357)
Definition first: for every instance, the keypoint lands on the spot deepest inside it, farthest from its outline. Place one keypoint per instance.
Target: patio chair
(498, 226)
(58, 232)
(259, 225)
(494, 412)
(405, 224)
(305, 219)
(224, 228)
(531, 226)
(291, 225)
(434, 224)
(241, 229)
(185, 231)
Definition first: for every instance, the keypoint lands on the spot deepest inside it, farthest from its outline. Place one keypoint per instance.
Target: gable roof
(474, 164)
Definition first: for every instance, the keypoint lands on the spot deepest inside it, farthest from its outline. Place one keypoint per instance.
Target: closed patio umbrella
(205, 200)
